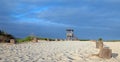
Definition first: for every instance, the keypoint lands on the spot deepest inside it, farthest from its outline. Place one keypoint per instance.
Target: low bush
(27, 39)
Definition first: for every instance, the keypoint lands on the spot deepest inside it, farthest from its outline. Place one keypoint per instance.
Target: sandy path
(66, 51)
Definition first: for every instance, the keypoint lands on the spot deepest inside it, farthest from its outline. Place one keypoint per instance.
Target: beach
(56, 51)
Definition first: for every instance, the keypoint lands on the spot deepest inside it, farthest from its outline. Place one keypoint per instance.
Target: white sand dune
(61, 51)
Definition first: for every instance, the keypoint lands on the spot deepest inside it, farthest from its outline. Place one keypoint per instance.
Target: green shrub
(27, 39)
(84, 39)
(20, 40)
(100, 39)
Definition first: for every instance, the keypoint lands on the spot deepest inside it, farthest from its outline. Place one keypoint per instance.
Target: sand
(56, 51)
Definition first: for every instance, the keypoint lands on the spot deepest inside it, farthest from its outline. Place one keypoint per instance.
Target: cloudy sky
(90, 19)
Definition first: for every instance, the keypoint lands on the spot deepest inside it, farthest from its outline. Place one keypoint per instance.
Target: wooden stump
(99, 44)
(35, 40)
(105, 53)
(12, 41)
(48, 39)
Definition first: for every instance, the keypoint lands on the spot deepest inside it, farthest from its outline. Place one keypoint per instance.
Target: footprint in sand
(74, 57)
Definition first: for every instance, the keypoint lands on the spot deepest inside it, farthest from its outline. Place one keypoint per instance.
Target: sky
(90, 19)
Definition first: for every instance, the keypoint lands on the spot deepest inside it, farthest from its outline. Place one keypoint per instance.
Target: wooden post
(105, 53)
(12, 41)
(99, 44)
(48, 39)
(35, 40)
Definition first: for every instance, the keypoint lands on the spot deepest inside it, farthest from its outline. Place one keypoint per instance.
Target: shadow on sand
(114, 55)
